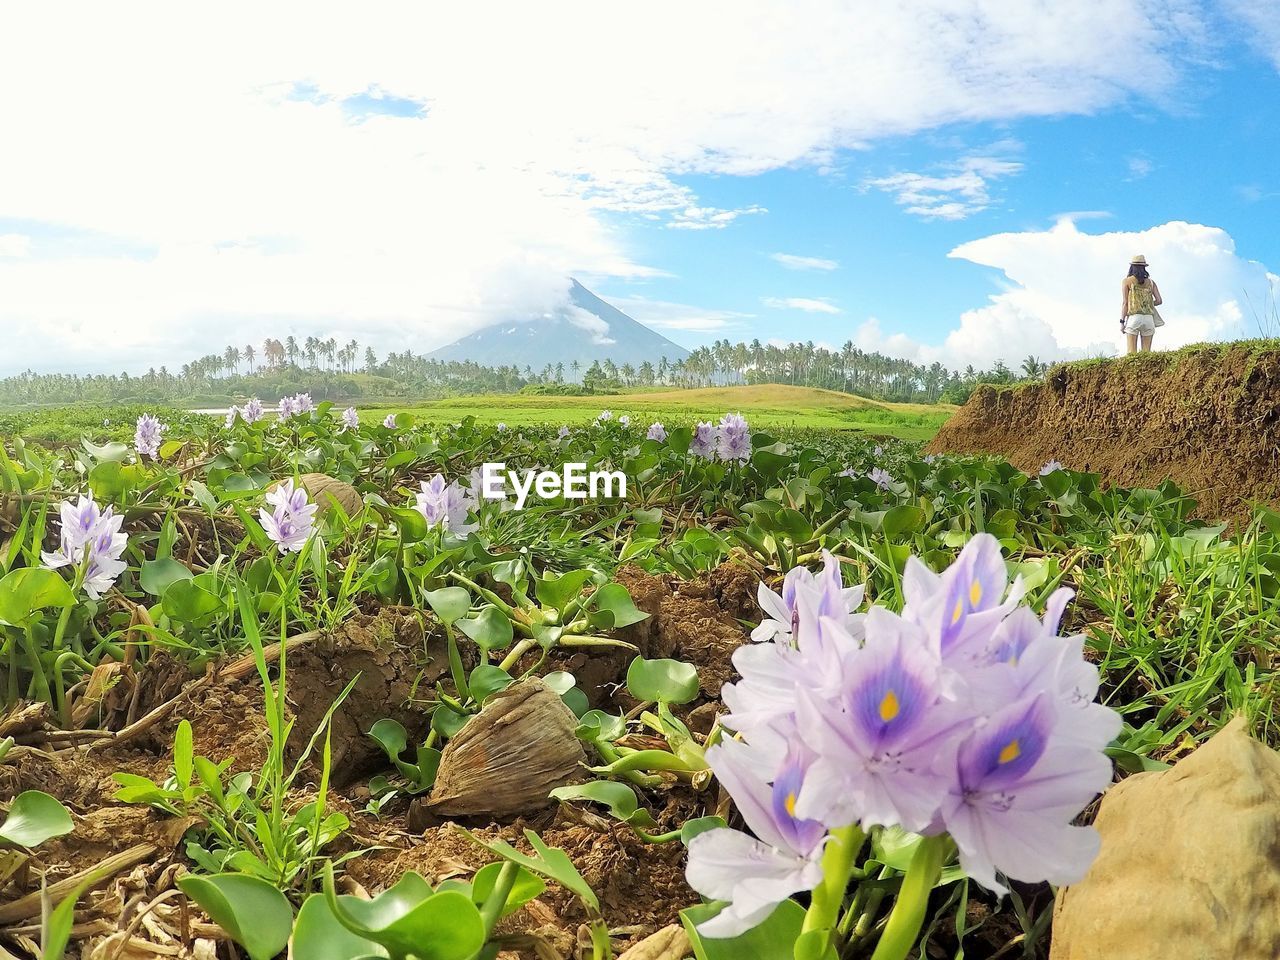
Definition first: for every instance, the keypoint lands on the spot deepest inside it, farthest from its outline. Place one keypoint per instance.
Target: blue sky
(729, 169)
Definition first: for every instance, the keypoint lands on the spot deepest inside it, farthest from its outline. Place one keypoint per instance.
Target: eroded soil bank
(1206, 418)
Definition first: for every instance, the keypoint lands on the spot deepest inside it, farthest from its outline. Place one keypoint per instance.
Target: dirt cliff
(1206, 417)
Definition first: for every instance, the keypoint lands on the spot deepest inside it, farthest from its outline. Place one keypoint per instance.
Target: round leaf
(664, 681)
(33, 818)
(252, 911)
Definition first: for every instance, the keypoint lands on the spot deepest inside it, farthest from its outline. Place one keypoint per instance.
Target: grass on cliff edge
(768, 405)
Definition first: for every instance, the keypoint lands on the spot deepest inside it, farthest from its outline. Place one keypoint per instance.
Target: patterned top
(1142, 298)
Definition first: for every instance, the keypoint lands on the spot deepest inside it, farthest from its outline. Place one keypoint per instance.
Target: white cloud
(807, 304)
(959, 190)
(230, 183)
(1062, 298)
(664, 315)
(793, 262)
(709, 218)
(595, 327)
(1261, 20)
(14, 245)
(1140, 166)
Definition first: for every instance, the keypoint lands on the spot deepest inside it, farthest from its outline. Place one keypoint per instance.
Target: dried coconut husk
(325, 491)
(510, 756)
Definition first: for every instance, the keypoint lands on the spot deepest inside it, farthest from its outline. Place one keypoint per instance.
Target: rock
(1190, 862)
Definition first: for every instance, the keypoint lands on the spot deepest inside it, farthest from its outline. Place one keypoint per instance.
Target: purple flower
(445, 505)
(624, 420)
(755, 875)
(288, 407)
(880, 477)
(389, 421)
(1017, 785)
(604, 416)
(251, 412)
(292, 520)
(1051, 466)
(501, 427)
(704, 440)
(146, 439)
(231, 417)
(929, 458)
(90, 541)
(350, 419)
(302, 404)
(563, 433)
(883, 749)
(783, 608)
(878, 451)
(656, 432)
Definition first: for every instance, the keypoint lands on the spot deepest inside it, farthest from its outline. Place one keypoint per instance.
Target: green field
(771, 405)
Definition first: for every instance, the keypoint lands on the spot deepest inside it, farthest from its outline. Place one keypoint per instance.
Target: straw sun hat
(1139, 260)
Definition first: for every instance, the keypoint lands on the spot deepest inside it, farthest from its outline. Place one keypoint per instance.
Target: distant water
(223, 411)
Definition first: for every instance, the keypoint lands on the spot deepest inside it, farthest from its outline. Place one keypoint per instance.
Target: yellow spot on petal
(889, 706)
(1010, 752)
(790, 804)
(958, 612)
(975, 593)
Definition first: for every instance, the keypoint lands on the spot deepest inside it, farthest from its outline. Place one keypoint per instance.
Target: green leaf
(618, 797)
(449, 603)
(596, 725)
(183, 754)
(550, 862)
(391, 735)
(188, 602)
(411, 920)
(319, 935)
(491, 630)
(156, 575)
(109, 451)
(903, 519)
(33, 818)
(615, 608)
(56, 932)
(666, 681)
(528, 886)
(27, 590)
(773, 939)
(558, 591)
(412, 524)
(447, 721)
(486, 680)
(253, 912)
(699, 825)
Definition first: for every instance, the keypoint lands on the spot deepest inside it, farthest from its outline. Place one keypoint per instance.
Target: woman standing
(1139, 298)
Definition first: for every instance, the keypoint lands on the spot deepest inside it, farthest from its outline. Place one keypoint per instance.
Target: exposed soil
(1208, 419)
(398, 654)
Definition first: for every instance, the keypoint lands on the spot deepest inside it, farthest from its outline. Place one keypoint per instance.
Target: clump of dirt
(1209, 419)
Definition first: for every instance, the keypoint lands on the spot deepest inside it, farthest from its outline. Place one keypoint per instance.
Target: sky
(957, 181)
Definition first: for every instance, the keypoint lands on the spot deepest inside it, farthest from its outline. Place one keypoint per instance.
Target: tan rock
(1190, 862)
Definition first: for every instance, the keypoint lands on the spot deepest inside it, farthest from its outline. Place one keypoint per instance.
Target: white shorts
(1141, 324)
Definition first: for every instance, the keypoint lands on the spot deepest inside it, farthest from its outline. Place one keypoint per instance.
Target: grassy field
(771, 405)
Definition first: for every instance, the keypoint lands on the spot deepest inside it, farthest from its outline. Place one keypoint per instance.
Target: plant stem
(828, 896)
(496, 900)
(905, 919)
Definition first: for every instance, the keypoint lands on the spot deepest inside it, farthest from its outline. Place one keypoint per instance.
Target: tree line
(349, 371)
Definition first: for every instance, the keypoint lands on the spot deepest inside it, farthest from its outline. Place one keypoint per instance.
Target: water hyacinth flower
(624, 420)
(288, 408)
(733, 439)
(880, 477)
(146, 438)
(563, 433)
(929, 458)
(1051, 466)
(445, 505)
(302, 404)
(291, 521)
(231, 417)
(755, 875)
(350, 419)
(656, 432)
(389, 421)
(704, 440)
(252, 411)
(965, 716)
(604, 416)
(91, 542)
(501, 427)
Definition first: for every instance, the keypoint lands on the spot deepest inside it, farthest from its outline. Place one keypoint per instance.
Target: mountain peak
(585, 329)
